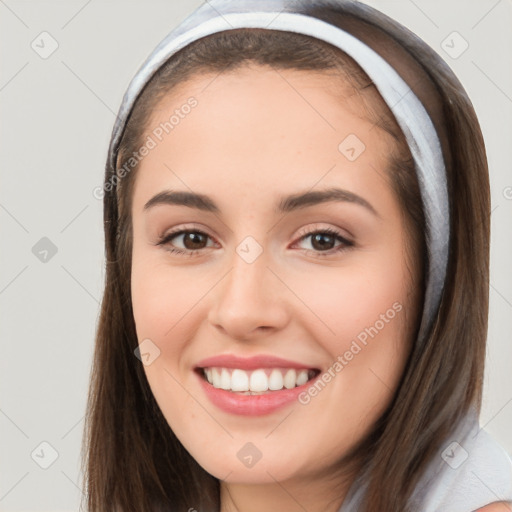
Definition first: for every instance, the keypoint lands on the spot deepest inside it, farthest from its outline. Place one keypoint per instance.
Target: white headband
(220, 15)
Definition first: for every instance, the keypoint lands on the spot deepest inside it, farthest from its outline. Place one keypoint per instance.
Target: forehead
(250, 83)
(264, 126)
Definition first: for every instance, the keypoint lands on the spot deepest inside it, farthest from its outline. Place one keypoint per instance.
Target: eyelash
(346, 244)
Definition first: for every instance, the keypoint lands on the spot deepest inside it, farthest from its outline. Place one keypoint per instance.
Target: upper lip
(250, 363)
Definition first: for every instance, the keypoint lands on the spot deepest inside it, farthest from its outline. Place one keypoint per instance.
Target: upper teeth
(257, 380)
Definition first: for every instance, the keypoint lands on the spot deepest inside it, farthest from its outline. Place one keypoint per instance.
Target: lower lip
(252, 405)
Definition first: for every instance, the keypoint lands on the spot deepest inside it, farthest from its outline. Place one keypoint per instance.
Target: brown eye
(325, 242)
(322, 241)
(194, 240)
(185, 241)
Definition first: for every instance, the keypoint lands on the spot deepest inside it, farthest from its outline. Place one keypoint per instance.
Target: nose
(250, 300)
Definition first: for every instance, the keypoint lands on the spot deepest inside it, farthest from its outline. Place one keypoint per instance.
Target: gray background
(56, 118)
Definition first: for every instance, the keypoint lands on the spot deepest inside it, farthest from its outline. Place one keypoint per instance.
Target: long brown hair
(131, 458)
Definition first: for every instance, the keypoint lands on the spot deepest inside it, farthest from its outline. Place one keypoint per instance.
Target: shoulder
(484, 477)
(496, 507)
(472, 471)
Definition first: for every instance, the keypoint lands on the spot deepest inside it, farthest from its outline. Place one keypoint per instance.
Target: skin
(251, 140)
(496, 507)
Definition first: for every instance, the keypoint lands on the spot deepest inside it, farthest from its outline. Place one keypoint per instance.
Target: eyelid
(318, 227)
(185, 227)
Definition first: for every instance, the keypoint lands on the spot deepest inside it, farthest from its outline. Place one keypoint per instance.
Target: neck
(293, 495)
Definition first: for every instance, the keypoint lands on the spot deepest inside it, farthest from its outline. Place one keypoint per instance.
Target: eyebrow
(285, 205)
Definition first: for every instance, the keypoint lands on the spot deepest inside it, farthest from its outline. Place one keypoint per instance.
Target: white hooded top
(469, 471)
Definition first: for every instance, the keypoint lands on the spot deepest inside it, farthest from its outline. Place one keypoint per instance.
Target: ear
(499, 506)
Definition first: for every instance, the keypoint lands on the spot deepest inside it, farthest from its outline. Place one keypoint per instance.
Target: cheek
(154, 303)
(163, 308)
(350, 300)
(168, 310)
(159, 301)
(366, 309)
(162, 298)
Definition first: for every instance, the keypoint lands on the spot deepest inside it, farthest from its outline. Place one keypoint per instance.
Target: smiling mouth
(256, 382)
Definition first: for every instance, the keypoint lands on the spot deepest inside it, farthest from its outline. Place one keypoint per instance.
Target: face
(264, 265)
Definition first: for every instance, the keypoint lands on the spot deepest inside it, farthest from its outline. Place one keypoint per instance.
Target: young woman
(297, 241)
